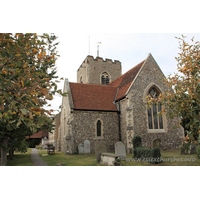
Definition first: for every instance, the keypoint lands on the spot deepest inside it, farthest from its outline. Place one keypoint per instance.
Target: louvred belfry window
(105, 80)
(155, 121)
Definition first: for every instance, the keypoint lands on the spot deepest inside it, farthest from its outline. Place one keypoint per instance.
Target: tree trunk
(11, 153)
(4, 145)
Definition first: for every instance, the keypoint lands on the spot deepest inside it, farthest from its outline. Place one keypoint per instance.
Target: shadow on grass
(21, 159)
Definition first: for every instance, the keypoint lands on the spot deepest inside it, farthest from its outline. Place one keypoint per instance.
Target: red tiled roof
(101, 97)
(117, 81)
(123, 82)
(40, 134)
(93, 97)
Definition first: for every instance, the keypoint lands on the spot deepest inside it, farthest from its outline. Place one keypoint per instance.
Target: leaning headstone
(120, 150)
(86, 146)
(100, 148)
(156, 143)
(80, 149)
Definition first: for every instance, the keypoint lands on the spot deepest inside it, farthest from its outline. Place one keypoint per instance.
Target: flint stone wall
(171, 138)
(83, 128)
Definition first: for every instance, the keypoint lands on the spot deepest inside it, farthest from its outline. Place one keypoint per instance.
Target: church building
(106, 106)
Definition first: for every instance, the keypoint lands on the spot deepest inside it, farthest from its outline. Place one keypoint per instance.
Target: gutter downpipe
(118, 112)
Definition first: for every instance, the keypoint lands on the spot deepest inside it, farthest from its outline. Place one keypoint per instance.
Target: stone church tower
(98, 71)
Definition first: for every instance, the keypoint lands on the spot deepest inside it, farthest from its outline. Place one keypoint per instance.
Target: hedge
(149, 154)
(137, 141)
(198, 152)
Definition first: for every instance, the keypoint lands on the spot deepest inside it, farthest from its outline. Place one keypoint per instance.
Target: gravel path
(37, 161)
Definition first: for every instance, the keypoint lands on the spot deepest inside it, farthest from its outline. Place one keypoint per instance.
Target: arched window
(105, 80)
(155, 121)
(98, 128)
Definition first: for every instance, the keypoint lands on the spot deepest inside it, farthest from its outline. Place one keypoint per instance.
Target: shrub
(141, 152)
(137, 141)
(185, 148)
(149, 154)
(22, 147)
(198, 151)
(38, 147)
(155, 154)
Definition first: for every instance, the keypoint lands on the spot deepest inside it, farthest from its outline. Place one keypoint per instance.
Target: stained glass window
(155, 121)
(150, 119)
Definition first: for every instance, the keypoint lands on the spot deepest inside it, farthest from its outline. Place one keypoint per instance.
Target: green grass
(69, 160)
(90, 160)
(60, 159)
(170, 158)
(21, 159)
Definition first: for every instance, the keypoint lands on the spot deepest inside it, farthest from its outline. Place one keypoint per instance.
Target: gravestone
(86, 146)
(120, 150)
(156, 143)
(80, 149)
(193, 148)
(100, 148)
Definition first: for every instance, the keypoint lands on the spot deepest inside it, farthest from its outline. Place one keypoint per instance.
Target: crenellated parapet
(91, 70)
(99, 59)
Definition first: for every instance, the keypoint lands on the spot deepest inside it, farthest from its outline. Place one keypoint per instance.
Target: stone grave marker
(100, 148)
(120, 150)
(80, 149)
(156, 143)
(86, 146)
(193, 148)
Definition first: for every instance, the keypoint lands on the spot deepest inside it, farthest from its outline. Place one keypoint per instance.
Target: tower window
(105, 80)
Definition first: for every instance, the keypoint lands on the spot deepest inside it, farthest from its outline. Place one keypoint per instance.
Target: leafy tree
(27, 80)
(183, 98)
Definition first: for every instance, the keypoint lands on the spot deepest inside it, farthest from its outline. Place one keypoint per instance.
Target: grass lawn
(170, 158)
(60, 159)
(69, 160)
(90, 160)
(21, 159)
